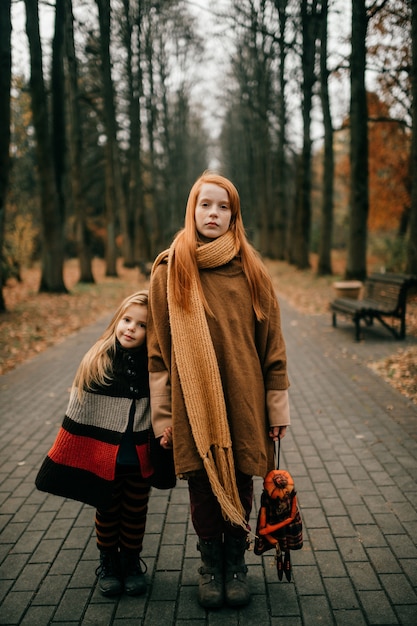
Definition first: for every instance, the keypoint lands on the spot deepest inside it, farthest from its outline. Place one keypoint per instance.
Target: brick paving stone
(349, 618)
(398, 589)
(128, 607)
(409, 567)
(383, 561)
(321, 539)
(38, 616)
(283, 600)
(289, 621)
(256, 613)
(30, 576)
(330, 564)
(341, 593)
(72, 605)
(352, 450)
(359, 514)
(308, 580)
(333, 506)
(13, 565)
(363, 576)
(228, 617)
(402, 546)
(315, 610)
(371, 536)
(14, 606)
(51, 590)
(341, 526)
(377, 608)
(165, 586)
(406, 614)
(98, 614)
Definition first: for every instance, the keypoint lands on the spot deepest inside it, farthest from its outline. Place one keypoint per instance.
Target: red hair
(186, 242)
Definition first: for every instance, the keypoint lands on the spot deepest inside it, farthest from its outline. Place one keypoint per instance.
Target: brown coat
(252, 363)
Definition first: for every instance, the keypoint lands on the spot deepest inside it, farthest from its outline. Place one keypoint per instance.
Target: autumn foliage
(389, 158)
(389, 161)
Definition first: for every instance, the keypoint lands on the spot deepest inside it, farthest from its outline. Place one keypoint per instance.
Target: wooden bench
(385, 296)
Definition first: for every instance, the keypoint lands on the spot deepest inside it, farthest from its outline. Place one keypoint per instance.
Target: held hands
(166, 439)
(277, 432)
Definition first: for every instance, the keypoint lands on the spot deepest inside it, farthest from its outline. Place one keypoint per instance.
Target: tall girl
(218, 377)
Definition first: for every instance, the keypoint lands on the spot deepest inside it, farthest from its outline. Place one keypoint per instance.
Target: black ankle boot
(210, 585)
(133, 574)
(108, 572)
(236, 587)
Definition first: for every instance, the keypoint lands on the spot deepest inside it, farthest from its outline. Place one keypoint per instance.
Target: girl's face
(131, 328)
(212, 213)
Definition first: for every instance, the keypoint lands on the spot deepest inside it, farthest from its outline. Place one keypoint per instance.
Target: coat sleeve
(159, 351)
(271, 346)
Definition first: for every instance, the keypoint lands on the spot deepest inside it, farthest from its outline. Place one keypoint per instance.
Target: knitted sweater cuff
(278, 407)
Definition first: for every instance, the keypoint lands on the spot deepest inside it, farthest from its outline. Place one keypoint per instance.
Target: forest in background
(102, 139)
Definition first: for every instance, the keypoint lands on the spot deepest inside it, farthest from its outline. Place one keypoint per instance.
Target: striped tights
(123, 523)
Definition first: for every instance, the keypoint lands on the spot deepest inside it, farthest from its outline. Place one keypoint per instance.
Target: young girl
(101, 453)
(218, 377)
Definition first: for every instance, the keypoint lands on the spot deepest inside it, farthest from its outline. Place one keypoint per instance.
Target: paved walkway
(352, 450)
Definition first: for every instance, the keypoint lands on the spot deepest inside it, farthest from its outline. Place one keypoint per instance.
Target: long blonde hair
(96, 366)
(185, 263)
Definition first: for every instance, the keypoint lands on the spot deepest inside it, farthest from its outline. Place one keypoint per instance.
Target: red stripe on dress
(84, 453)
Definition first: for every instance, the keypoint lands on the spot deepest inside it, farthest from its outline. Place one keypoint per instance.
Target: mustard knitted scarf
(201, 382)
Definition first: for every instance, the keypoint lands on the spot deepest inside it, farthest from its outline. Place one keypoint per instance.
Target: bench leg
(334, 320)
(402, 329)
(357, 328)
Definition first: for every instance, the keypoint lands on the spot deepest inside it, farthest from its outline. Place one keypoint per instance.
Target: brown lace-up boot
(236, 587)
(210, 585)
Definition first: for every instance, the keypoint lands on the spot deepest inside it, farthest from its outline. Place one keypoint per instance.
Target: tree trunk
(359, 192)
(303, 206)
(75, 144)
(291, 238)
(51, 215)
(411, 265)
(134, 141)
(281, 171)
(114, 194)
(135, 200)
(151, 121)
(325, 245)
(5, 86)
(109, 201)
(59, 144)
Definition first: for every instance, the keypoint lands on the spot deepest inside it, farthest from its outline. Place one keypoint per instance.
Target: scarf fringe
(218, 467)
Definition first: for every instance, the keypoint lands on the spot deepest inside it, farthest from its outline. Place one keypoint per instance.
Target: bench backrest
(388, 289)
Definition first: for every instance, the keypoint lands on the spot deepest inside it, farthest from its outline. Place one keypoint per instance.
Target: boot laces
(136, 565)
(106, 567)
